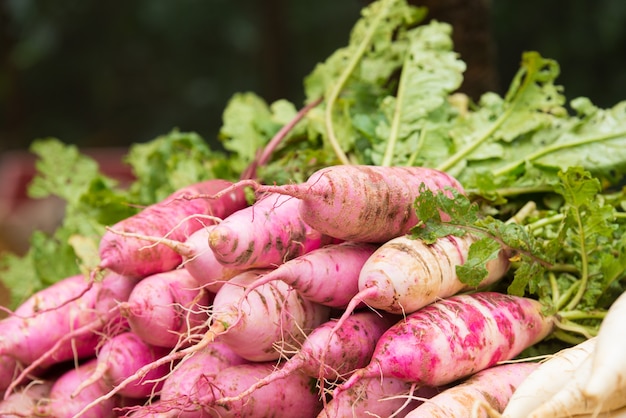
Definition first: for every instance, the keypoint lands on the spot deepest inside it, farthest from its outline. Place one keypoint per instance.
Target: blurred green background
(110, 73)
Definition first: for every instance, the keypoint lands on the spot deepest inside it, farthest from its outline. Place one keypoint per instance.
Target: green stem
(578, 314)
(576, 328)
(395, 123)
(566, 296)
(420, 144)
(568, 338)
(545, 221)
(584, 273)
(343, 78)
(554, 289)
(543, 151)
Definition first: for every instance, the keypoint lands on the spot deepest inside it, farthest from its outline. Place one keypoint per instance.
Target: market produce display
(389, 248)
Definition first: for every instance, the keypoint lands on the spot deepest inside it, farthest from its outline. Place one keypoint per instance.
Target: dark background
(110, 73)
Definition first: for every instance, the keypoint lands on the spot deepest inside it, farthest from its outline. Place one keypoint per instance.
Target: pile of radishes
(312, 301)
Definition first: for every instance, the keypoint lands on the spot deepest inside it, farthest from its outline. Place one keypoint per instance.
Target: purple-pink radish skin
(139, 258)
(25, 399)
(165, 307)
(120, 357)
(455, 338)
(264, 235)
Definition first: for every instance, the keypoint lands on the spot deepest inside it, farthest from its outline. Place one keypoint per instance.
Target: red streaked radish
(362, 203)
(270, 322)
(377, 397)
(292, 396)
(608, 373)
(120, 357)
(264, 235)
(172, 217)
(165, 309)
(455, 338)
(492, 386)
(327, 275)
(350, 348)
(549, 378)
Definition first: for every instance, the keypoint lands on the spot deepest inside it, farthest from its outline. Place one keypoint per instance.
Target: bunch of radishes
(312, 301)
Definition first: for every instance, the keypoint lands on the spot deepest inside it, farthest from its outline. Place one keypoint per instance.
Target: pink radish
(264, 235)
(197, 258)
(327, 275)
(120, 357)
(351, 348)
(63, 405)
(293, 396)
(136, 258)
(608, 373)
(25, 400)
(179, 389)
(8, 370)
(271, 321)
(377, 397)
(41, 331)
(359, 202)
(165, 308)
(548, 379)
(492, 386)
(456, 337)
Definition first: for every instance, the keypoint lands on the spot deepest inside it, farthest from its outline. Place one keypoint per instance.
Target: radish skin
(61, 403)
(8, 370)
(26, 399)
(379, 398)
(264, 235)
(120, 357)
(362, 203)
(328, 275)
(350, 348)
(136, 257)
(178, 396)
(293, 396)
(164, 308)
(550, 377)
(273, 320)
(408, 274)
(455, 338)
(492, 386)
(608, 373)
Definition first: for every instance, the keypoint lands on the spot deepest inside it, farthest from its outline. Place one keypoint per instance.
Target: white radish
(608, 372)
(549, 378)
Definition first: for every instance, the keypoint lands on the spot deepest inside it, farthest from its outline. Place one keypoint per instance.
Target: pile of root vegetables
(313, 300)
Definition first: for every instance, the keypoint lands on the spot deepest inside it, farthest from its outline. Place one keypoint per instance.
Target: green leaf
(474, 270)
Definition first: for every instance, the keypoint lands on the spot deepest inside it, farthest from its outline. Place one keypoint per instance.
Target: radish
(570, 399)
(377, 397)
(608, 373)
(456, 337)
(62, 322)
(351, 348)
(263, 235)
(492, 386)
(406, 274)
(326, 275)
(61, 403)
(361, 202)
(268, 323)
(135, 257)
(25, 400)
(197, 258)
(179, 389)
(293, 396)
(8, 370)
(120, 357)
(550, 377)
(165, 308)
